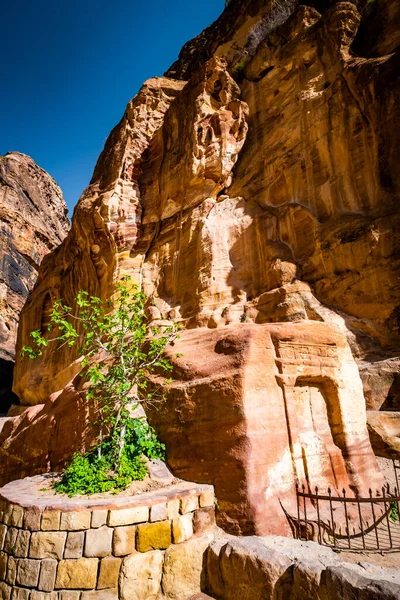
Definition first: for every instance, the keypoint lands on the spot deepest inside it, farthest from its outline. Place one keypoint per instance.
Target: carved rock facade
(260, 185)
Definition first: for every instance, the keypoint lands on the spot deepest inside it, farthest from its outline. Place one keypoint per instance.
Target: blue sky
(69, 68)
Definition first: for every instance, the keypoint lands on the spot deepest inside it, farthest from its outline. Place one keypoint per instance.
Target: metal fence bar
(305, 512)
(333, 521)
(347, 519)
(361, 524)
(318, 516)
(387, 511)
(396, 467)
(373, 515)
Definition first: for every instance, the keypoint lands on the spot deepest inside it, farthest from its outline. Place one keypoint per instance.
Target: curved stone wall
(76, 549)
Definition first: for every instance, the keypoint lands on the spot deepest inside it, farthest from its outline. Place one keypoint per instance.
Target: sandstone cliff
(257, 183)
(33, 222)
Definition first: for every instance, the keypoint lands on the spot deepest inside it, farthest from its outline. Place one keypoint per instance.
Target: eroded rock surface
(274, 567)
(268, 405)
(384, 431)
(33, 221)
(257, 184)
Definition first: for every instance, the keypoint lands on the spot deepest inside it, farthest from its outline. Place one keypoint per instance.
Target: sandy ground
(46, 489)
(158, 477)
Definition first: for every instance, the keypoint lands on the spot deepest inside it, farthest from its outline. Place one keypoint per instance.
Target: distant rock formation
(257, 183)
(33, 221)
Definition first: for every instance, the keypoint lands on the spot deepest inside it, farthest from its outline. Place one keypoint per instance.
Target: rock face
(33, 221)
(256, 184)
(384, 431)
(267, 405)
(274, 567)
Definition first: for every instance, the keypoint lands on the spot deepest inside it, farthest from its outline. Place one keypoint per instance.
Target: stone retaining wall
(72, 549)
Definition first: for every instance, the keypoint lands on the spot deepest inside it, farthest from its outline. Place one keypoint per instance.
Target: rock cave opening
(7, 396)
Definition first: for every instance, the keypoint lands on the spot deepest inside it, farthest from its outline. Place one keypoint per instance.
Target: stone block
(75, 520)
(77, 574)
(173, 508)
(3, 565)
(98, 542)
(12, 564)
(109, 572)
(21, 547)
(7, 512)
(20, 594)
(248, 566)
(141, 576)
(158, 512)
(2, 509)
(128, 516)
(47, 577)
(50, 520)
(101, 595)
(348, 581)
(207, 498)
(99, 518)
(189, 504)
(154, 536)
(39, 595)
(28, 572)
(17, 516)
(3, 533)
(74, 544)
(184, 568)
(158, 471)
(47, 544)
(124, 540)
(32, 519)
(11, 540)
(68, 595)
(182, 528)
(5, 591)
(203, 519)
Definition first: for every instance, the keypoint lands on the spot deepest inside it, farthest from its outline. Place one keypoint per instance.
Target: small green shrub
(93, 473)
(394, 512)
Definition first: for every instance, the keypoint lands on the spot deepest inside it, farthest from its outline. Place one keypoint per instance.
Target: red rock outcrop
(33, 221)
(257, 184)
(266, 406)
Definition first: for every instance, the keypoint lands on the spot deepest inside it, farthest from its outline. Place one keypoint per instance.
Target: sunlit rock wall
(258, 183)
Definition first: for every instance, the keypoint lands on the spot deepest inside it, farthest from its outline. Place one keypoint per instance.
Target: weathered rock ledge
(275, 567)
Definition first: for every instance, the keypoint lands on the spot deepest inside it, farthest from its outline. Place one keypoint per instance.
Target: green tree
(120, 349)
